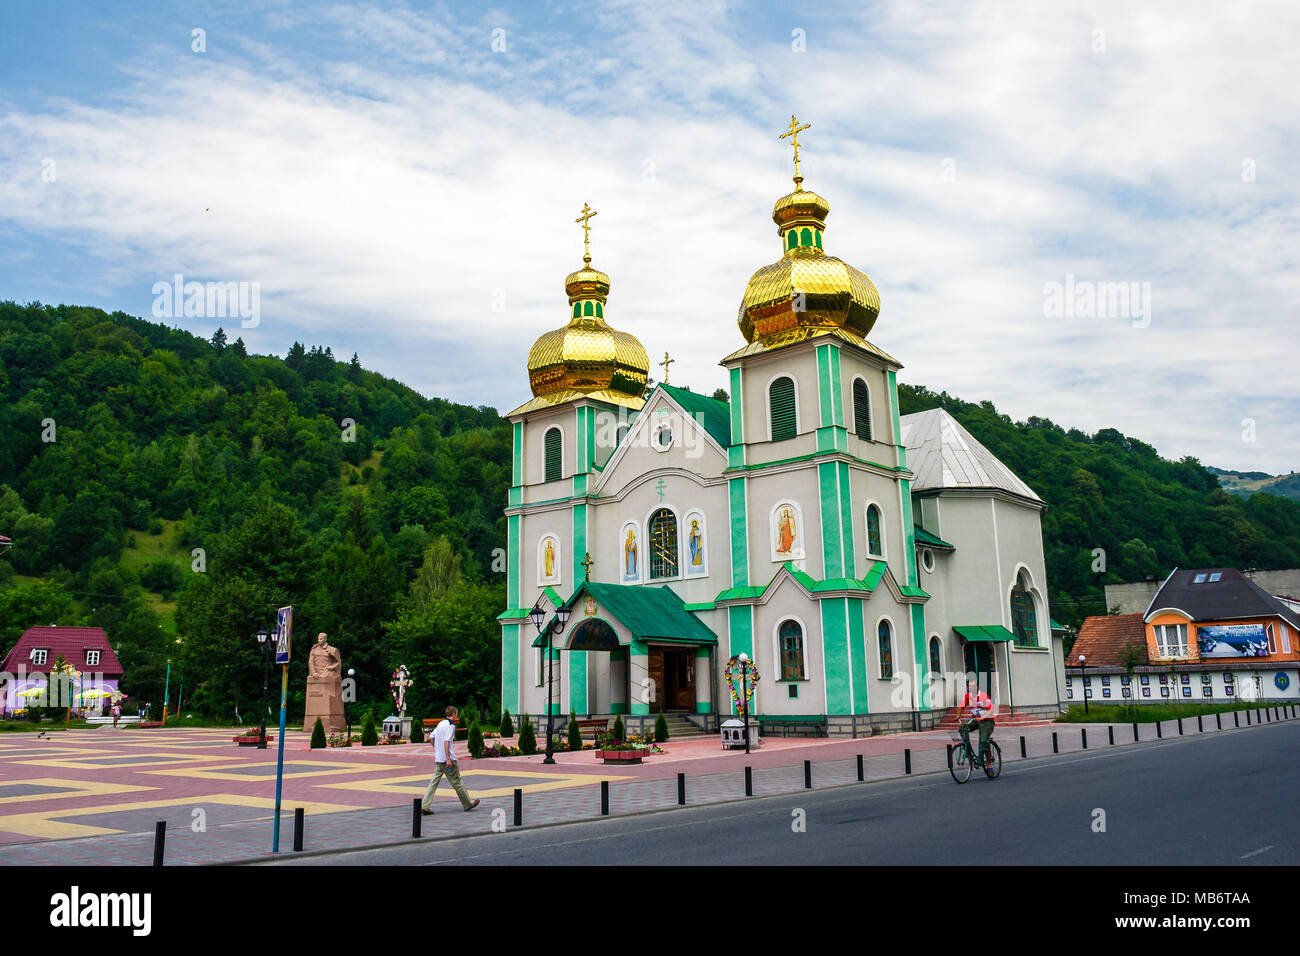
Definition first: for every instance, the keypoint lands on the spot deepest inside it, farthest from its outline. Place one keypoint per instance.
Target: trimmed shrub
(575, 732)
(527, 740)
(661, 728)
(369, 735)
(417, 730)
(618, 731)
(475, 743)
(507, 725)
(318, 735)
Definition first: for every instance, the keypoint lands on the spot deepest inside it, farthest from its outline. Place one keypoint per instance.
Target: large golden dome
(806, 293)
(587, 357)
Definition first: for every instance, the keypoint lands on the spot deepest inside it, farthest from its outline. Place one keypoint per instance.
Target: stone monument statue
(324, 687)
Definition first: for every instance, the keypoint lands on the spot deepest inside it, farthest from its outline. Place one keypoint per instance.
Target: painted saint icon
(785, 532)
(696, 544)
(549, 560)
(629, 554)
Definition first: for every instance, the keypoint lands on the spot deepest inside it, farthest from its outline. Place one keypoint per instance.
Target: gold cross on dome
(585, 219)
(587, 563)
(792, 133)
(665, 363)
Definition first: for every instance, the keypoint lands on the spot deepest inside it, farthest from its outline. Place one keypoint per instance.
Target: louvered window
(861, 409)
(554, 448)
(781, 397)
(874, 545)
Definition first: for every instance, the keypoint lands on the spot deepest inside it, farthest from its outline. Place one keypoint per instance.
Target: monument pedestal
(325, 700)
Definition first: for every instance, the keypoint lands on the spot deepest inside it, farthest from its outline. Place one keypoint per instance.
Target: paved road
(1221, 799)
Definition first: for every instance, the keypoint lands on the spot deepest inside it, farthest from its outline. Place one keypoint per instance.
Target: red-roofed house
(27, 665)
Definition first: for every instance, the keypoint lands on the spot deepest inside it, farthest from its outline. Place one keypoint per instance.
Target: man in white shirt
(444, 760)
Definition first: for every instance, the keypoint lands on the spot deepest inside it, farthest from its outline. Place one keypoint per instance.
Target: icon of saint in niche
(548, 558)
(786, 533)
(629, 554)
(696, 544)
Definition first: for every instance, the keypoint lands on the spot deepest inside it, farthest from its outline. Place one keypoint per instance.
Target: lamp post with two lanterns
(264, 642)
(555, 627)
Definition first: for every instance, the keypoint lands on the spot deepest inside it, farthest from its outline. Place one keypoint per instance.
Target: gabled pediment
(666, 435)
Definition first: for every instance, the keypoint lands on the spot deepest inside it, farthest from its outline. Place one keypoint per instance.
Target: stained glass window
(790, 636)
(875, 546)
(663, 544)
(886, 652)
(936, 665)
(1023, 623)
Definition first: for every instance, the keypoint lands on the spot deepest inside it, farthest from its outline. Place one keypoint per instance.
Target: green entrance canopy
(993, 633)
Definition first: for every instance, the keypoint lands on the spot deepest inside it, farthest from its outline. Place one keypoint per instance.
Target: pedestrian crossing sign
(283, 634)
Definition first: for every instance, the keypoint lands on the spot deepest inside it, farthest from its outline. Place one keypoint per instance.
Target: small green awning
(992, 633)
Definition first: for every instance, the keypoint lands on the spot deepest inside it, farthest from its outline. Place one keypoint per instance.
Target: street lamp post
(557, 627)
(744, 694)
(351, 675)
(263, 641)
(1083, 684)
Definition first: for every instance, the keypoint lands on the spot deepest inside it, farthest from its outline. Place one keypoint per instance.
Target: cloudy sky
(401, 180)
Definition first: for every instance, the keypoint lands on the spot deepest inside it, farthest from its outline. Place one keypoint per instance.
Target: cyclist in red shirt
(981, 709)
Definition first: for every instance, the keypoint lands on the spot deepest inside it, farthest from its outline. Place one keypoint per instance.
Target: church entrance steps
(1005, 717)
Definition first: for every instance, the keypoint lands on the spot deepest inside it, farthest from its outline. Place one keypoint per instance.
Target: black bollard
(1159, 733)
(297, 829)
(1200, 727)
(416, 816)
(1055, 748)
(907, 760)
(519, 807)
(1218, 721)
(1236, 720)
(1180, 726)
(807, 774)
(681, 789)
(749, 781)
(861, 773)
(1023, 754)
(1083, 736)
(1110, 733)
(159, 841)
(1247, 718)
(604, 798)
(950, 756)
(1135, 732)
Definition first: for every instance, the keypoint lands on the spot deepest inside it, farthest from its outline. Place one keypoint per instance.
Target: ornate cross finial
(585, 219)
(587, 563)
(793, 134)
(665, 363)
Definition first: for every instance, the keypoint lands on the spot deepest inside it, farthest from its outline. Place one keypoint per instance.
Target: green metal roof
(924, 537)
(993, 633)
(514, 614)
(713, 414)
(649, 613)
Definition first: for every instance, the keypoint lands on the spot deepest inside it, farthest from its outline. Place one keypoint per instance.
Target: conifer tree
(507, 725)
(527, 740)
(318, 735)
(575, 732)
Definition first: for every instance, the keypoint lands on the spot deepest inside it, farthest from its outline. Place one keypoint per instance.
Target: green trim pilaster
(893, 417)
(831, 523)
(579, 543)
(738, 495)
(909, 530)
(919, 651)
(740, 640)
(830, 394)
(580, 485)
(846, 521)
(517, 470)
(737, 408)
(703, 687)
(640, 703)
(585, 445)
(836, 656)
(858, 656)
(514, 562)
(510, 667)
(578, 682)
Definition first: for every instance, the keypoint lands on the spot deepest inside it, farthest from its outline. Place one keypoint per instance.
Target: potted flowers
(632, 750)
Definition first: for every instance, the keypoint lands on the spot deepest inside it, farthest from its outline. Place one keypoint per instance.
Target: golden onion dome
(587, 356)
(806, 293)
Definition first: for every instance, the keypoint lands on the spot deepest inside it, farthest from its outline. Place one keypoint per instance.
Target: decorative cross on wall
(587, 563)
(661, 488)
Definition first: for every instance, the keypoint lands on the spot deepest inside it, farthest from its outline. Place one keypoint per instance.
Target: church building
(863, 561)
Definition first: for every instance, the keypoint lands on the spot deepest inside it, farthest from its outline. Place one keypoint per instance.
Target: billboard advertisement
(1233, 640)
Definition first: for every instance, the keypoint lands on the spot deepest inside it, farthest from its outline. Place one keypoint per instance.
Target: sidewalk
(710, 778)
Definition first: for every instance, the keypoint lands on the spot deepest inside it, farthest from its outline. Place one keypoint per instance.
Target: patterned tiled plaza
(95, 796)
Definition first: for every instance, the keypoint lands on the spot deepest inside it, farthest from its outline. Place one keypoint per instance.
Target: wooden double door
(672, 669)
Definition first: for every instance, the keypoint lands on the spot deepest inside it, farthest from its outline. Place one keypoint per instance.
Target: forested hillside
(176, 491)
(129, 445)
(1109, 491)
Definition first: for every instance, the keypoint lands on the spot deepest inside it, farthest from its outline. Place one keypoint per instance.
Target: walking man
(444, 761)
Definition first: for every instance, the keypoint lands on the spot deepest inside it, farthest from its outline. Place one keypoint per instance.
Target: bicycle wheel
(993, 764)
(961, 763)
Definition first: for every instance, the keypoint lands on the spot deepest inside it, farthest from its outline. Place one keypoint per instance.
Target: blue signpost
(283, 638)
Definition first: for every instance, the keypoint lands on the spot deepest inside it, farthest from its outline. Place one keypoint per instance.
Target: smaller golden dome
(587, 283)
(800, 208)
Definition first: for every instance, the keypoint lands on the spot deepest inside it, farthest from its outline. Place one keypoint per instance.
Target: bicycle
(964, 762)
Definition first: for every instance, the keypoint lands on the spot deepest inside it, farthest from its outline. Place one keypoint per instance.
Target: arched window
(886, 651)
(790, 638)
(663, 544)
(553, 448)
(785, 423)
(791, 239)
(875, 542)
(805, 237)
(600, 311)
(817, 238)
(1023, 621)
(577, 309)
(936, 657)
(588, 308)
(861, 409)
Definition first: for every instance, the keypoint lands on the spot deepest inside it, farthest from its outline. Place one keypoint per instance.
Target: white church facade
(863, 561)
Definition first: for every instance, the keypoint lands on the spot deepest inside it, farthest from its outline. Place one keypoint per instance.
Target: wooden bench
(596, 727)
(818, 724)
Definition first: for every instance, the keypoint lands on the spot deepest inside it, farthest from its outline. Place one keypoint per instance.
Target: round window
(664, 437)
(927, 559)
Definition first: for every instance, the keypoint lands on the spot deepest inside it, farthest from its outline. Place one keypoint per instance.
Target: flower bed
(632, 750)
(251, 740)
